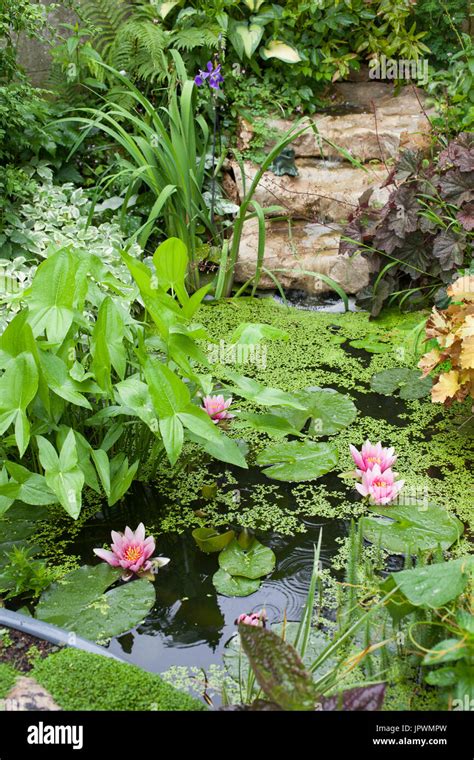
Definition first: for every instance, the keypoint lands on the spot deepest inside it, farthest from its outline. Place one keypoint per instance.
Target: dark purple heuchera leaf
(278, 669)
(449, 249)
(408, 165)
(459, 153)
(466, 216)
(360, 698)
(457, 187)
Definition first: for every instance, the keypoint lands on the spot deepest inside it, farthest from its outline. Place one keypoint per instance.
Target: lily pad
(372, 346)
(210, 540)
(408, 381)
(234, 585)
(78, 602)
(407, 529)
(297, 460)
(254, 562)
(330, 411)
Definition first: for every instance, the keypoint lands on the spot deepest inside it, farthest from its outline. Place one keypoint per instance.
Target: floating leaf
(408, 381)
(209, 540)
(330, 411)
(407, 529)
(298, 460)
(78, 603)
(251, 333)
(233, 585)
(254, 562)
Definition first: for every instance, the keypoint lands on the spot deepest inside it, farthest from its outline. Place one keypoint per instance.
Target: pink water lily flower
(255, 618)
(132, 552)
(216, 407)
(381, 487)
(373, 454)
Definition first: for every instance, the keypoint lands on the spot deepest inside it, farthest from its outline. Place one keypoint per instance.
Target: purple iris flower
(212, 73)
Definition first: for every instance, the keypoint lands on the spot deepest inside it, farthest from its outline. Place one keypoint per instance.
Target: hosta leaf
(230, 585)
(407, 529)
(79, 602)
(297, 460)
(253, 562)
(250, 35)
(282, 51)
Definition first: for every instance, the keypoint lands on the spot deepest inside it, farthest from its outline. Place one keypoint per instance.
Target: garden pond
(191, 624)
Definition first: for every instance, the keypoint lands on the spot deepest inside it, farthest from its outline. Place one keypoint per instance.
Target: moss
(82, 681)
(8, 676)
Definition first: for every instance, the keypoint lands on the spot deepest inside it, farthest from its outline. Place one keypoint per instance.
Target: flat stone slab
(26, 695)
(302, 250)
(379, 126)
(324, 191)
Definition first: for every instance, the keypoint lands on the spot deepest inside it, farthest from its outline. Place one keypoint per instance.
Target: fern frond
(187, 39)
(107, 16)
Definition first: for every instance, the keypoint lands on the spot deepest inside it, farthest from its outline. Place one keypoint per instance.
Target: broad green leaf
(229, 585)
(122, 476)
(250, 35)
(52, 297)
(261, 394)
(281, 51)
(448, 650)
(172, 433)
(25, 486)
(407, 529)
(278, 669)
(107, 344)
(135, 394)
(435, 585)
(18, 387)
(62, 473)
(223, 448)
(168, 392)
(254, 562)
(298, 460)
(79, 602)
(57, 377)
(171, 264)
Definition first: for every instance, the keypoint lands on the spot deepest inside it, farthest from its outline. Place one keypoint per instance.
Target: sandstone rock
(27, 695)
(303, 248)
(324, 191)
(364, 133)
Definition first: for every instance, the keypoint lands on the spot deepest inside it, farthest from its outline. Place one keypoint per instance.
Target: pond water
(190, 623)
